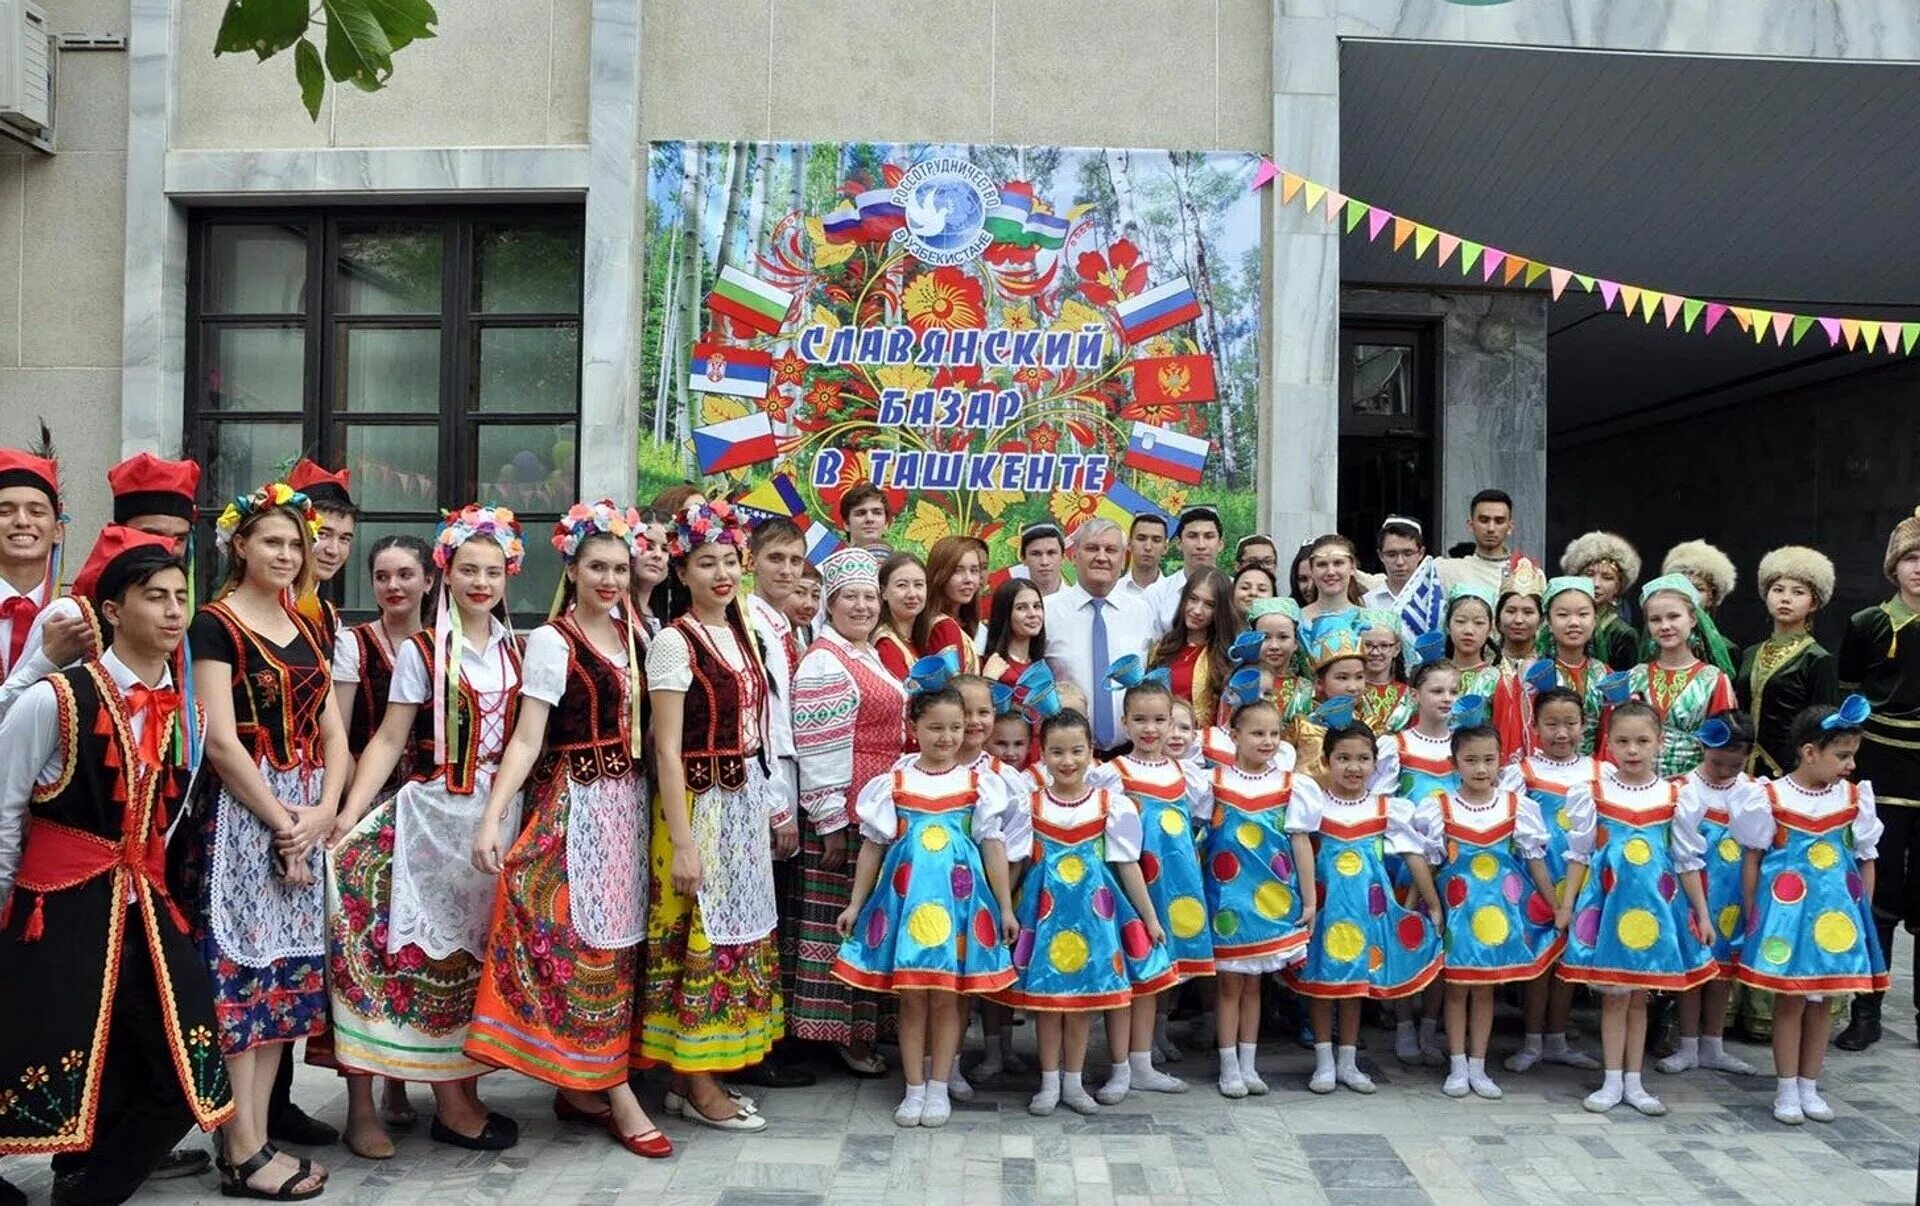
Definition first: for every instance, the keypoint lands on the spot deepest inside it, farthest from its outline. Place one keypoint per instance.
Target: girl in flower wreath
(407, 911)
(556, 996)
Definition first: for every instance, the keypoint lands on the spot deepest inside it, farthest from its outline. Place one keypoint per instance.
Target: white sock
(1323, 1060)
(1229, 1063)
(1457, 1065)
(1712, 1046)
(1347, 1059)
(1121, 1074)
(1612, 1083)
(1246, 1053)
(1475, 1067)
(1690, 1047)
(1070, 1083)
(1050, 1081)
(936, 1092)
(1554, 1044)
(1786, 1088)
(1534, 1042)
(1048, 1097)
(917, 1092)
(1141, 1074)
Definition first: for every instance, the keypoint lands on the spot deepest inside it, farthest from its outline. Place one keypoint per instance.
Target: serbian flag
(1160, 308)
(716, 368)
(1166, 452)
(1123, 504)
(734, 443)
(746, 298)
(1174, 380)
(776, 498)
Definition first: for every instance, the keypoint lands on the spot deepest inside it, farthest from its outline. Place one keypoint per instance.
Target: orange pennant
(1514, 267)
(1402, 228)
(1289, 187)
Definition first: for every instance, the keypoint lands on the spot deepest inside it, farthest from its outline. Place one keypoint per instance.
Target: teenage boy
(1490, 523)
(29, 529)
(333, 543)
(1410, 587)
(1041, 548)
(1146, 548)
(865, 514)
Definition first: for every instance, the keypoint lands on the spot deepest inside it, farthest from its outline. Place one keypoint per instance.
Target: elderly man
(1089, 624)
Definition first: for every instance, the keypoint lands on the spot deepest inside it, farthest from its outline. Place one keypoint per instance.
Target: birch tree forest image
(1159, 251)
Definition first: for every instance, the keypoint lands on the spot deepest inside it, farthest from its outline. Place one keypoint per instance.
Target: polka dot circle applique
(1855, 885)
(1511, 887)
(1638, 929)
(1344, 942)
(1248, 835)
(1456, 892)
(1490, 925)
(876, 928)
(1170, 822)
(1667, 885)
(1273, 901)
(1637, 851)
(1729, 850)
(1376, 900)
(930, 924)
(1586, 926)
(985, 932)
(1071, 869)
(1728, 921)
(1835, 933)
(1135, 940)
(1023, 949)
(1789, 887)
(1484, 867)
(1539, 909)
(1149, 867)
(1226, 923)
(1348, 863)
(1411, 930)
(1186, 917)
(1823, 856)
(962, 882)
(1776, 950)
(933, 839)
(902, 878)
(1045, 906)
(1607, 878)
(1281, 865)
(1561, 819)
(1103, 903)
(1226, 865)
(1376, 958)
(1067, 952)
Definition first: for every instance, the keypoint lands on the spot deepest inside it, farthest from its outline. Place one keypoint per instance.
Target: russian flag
(778, 497)
(842, 225)
(1123, 504)
(734, 443)
(745, 297)
(1158, 309)
(1166, 452)
(716, 368)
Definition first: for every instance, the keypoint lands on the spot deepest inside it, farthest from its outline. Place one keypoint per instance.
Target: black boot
(1863, 1028)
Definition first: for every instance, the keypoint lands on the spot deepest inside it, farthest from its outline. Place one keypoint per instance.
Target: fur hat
(1602, 546)
(1904, 539)
(1699, 557)
(1809, 566)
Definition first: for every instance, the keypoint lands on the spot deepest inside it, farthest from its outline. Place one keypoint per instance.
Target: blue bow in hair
(1245, 649)
(1002, 698)
(1131, 671)
(1037, 677)
(1335, 713)
(1243, 686)
(1851, 715)
(1714, 733)
(1042, 703)
(1469, 711)
(933, 671)
(1542, 676)
(1429, 647)
(1617, 687)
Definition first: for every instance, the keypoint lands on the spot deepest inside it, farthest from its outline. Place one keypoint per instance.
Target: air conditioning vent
(26, 70)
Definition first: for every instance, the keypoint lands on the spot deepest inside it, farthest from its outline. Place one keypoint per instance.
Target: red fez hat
(119, 552)
(146, 485)
(322, 489)
(19, 468)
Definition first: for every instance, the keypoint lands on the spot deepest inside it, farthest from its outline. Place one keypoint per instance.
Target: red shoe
(566, 1111)
(649, 1143)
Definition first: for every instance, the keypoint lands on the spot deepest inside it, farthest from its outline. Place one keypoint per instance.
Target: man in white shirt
(1411, 587)
(29, 526)
(1042, 546)
(1146, 546)
(1490, 523)
(1090, 625)
(1199, 535)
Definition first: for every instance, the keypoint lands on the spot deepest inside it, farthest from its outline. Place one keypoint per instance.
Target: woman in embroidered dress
(277, 747)
(1016, 630)
(1682, 688)
(1789, 672)
(712, 999)
(848, 727)
(956, 568)
(1613, 566)
(904, 618)
(556, 996)
(407, 912)
(1194, 650)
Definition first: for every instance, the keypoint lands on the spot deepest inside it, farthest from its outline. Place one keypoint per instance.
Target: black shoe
(497, 1134)
(1863, 1028)
(768, 1075)
(64, 1188)
(181, 1162)
(11, 1194)
(294, 1125)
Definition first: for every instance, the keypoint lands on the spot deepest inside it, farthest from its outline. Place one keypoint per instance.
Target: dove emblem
(926, 217)
(945, 202)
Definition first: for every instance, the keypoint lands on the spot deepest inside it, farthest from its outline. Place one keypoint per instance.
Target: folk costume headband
(1714, 645)
(265, 498)
(471, 522)
(581, 523)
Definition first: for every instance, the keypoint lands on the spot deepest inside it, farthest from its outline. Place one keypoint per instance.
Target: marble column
(153, 340)
(610, 307)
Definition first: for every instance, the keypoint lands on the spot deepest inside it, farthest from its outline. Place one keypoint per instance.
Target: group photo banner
(993, 335)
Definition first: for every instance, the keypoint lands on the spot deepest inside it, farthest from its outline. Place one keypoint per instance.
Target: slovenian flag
(1174, 380)
(1017, 223)
(778, 497)
(1158, 309)
(1166, 452)
(746, 298)
(716, 368)
(734, 443)
(1123, 504)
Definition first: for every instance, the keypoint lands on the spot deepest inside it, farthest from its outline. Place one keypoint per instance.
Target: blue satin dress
(1812, 929)
(1720, 878)
(1632, 924)
(1253, 889)
(1499, 928)
(1170, 863)
(1365, 943)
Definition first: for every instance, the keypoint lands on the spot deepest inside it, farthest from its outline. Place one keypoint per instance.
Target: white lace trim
(608, 824)
(439, 902)
(257, 918)
(730, 830)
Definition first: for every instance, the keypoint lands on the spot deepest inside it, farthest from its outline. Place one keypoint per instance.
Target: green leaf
(403, 20)
(312, 76)
(357, 48)
(265, 27)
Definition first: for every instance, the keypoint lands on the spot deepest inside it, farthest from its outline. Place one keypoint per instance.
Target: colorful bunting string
(1784, 328)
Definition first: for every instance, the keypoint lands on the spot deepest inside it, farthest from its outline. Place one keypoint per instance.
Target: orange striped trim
(977, 983)
(1816, 826)
(1807, 985)
(1420, 762)
(1330, 991)
(1513, 973)
(1189, 968)
(1616, 977)
(1273, 946)
(1358, 830)
(1636, 817)
(913, 802)
(1277, 797)
(487, 1045)
(1480, 837)
(1015, 998)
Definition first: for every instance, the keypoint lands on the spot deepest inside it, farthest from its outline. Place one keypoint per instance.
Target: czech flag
(1123, 504)
(1160, 308)
(716, 368)
(778, 497)
(1166, 452)
(1174, 380)
(734, 443)
(746, 298)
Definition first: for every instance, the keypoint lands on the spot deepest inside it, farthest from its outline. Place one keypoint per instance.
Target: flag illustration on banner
(1160, 308)
(1166, 452)
(1018, 223)
(777, 498)
(748, 299)
(1175, 380)
(872, 217)
(821, 542)
(1123, 504)
(734, 443)
(716, 368)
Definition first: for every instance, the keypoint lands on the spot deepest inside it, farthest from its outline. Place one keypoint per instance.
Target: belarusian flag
(745, 297)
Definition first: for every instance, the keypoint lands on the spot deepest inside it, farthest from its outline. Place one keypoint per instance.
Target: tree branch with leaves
(360, 38)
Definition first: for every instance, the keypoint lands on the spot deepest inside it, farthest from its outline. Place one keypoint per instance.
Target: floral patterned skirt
(550, 1005)
(707, 1008)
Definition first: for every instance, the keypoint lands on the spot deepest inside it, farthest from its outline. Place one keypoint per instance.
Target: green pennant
(1690, 311)
(1586, 282)
(1909, 331)
(1535, 270)
(1356, 210)
(1423, 237)
(1801, 322)
(1469, 255)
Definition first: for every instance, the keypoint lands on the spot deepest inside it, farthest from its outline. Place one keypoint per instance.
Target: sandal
(677, 1105)
(233, 1179)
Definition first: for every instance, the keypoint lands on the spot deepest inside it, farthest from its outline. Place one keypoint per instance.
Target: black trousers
(1896, 873)
(143, 1110)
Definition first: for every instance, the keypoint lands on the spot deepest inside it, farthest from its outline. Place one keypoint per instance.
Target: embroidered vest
(376, 678)
(276, 706)
(587, 729)
(711, 743)
(463, 737)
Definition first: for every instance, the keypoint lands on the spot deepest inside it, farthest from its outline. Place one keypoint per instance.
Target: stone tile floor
(836, 1143)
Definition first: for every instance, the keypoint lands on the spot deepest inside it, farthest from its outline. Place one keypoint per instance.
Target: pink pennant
(1608, 291)
(1558, 277)
(1262, 174)
(1377, 220)
(1490, 263)
(1890, 335)
(1336, 201)
(1670, 306)
(1715, 312)
(1832, 327)
(1448, 245)
(1780, 324)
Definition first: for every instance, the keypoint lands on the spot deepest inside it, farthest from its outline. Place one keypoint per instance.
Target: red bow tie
(20, 610)
(159, 705)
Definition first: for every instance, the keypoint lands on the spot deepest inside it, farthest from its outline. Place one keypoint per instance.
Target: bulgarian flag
(746, 298)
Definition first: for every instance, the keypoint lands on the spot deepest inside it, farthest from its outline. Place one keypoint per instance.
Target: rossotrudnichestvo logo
(946, 203)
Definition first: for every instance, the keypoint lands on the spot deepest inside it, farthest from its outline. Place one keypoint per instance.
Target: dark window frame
(1417, 436)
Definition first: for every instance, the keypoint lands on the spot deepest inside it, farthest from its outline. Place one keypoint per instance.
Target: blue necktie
(1101, 696)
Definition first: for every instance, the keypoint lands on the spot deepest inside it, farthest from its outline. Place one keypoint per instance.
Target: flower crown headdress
(473, 520)
(273, 494)
(583, 520)
(702, 524)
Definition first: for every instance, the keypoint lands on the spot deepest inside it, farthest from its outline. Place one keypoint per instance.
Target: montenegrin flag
(1166, 452)
(734, 443)
(717, 368)
(1160, 308)
(1123, 504)
(748, 299)
(1174, 380)
(1017, 222)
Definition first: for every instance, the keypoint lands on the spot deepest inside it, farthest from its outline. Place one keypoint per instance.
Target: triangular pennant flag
(1670, 307)
(1586, 282)
(1629, 299)
(1689, 312)
(1832, 327)
(1558, 278)
(1514, 266)
(1490, 263)
(1743, 316)
(1314, 193)
(1801, 324)
(1377, 222)
(1890, 335)
(1909, 331)
(1356, 210)
(1402, 227)
(1649, 302)
(1289, 187)
(1447, 245)
(1423, 237)
(1469, 255)
(1850, 329)
(1608, 291)
(1715, 312)
(1780, 324)
(1336, 200)
(1871, 332)
(1759, 320)
(1261, 175)
(1535, 270)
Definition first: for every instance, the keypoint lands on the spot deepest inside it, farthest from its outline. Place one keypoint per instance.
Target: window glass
(242, 456)
(527, 269)
(254, 368)
(395, 468)
(529, 369)
(389, 370)
(527, 466)
(389, 269)
(255, 270)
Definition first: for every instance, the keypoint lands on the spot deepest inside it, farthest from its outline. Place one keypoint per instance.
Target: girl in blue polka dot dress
(930, 917)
